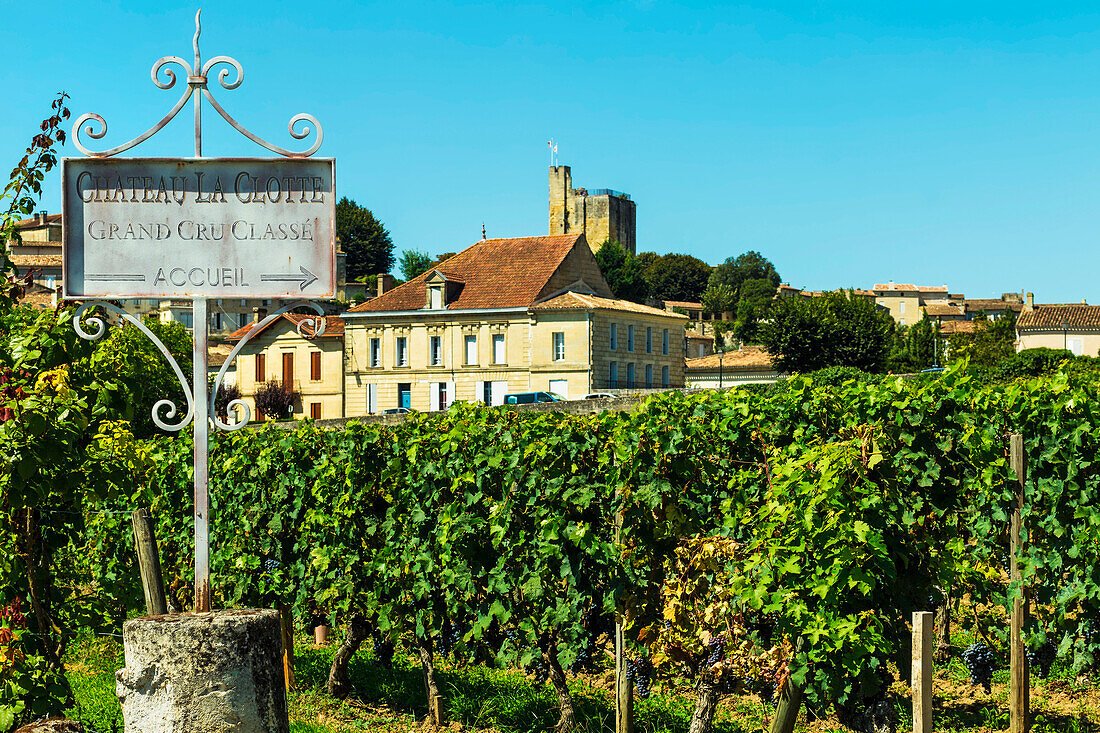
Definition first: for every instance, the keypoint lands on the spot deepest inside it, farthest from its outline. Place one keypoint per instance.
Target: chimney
(1030, 305)
(258, 314)
(40, 217)
(384, 283)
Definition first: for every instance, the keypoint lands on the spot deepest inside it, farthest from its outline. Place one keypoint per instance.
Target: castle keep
(599, 215)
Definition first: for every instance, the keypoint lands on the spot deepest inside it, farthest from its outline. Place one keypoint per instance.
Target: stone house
(598, 214)
(505, 316)
(313, 367)
(1059, 326)
(905, 301)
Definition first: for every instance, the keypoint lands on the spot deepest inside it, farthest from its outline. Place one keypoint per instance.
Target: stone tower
(601, 214)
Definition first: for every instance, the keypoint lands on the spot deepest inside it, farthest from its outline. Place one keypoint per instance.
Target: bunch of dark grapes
(979, 660)
(450, 638)
(716, 650)
(1041, 659)
(8, 392)
(383, 651)
(539, 668)
(639, 671)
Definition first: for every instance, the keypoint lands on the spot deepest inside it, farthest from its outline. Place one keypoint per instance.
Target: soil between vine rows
(505, 701)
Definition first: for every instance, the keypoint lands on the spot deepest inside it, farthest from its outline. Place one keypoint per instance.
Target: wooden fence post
(145, 544)
(923, 635)
(624, 695)
(786, 709)
(286, 622)
(1019, 686)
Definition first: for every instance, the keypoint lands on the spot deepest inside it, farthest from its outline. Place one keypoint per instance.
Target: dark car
(529, 398)
(396, 411)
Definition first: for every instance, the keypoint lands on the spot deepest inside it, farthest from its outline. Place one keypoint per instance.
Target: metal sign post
(198, 228)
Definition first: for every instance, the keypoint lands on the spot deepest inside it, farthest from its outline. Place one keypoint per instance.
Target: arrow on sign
(115, 278)
(305, 279)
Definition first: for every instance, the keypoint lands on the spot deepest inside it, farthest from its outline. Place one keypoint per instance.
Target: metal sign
(224, 227)
(198, 228)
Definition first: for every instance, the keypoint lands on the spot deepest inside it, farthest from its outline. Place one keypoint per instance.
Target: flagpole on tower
(553, 151)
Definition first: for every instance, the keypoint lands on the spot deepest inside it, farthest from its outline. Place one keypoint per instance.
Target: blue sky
(851, 143)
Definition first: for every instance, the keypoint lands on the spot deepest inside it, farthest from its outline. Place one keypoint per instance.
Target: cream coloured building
(1072, 327)
(905, 302)
(312, 367)
(501, 317)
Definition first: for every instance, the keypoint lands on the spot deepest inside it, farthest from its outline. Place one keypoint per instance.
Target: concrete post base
(203, 673)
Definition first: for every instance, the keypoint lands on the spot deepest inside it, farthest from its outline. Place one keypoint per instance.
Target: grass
(505, 701)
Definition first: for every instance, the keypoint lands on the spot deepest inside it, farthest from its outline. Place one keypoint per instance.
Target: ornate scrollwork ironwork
(99, 327)
(240, 409)
(95, 127)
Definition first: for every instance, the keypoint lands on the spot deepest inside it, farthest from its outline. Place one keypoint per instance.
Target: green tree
(915, 347)
(755, 300)
(736, 271)
(623, 274)
(414, 262)
(718, 299)
(364, 239)
(675, 276)
(836, 329)
(140, 368)
(990, 343)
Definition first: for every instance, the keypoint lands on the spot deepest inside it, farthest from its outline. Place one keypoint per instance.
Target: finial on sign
(198, 31)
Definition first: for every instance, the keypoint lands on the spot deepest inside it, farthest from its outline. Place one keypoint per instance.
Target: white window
(186, 318)
(435, 300)
(372, 399)
(401, 352)
(435, 351)
(648, 340)
(630, 338)
(664, 342)
(1076, 345)
(492, 393)
(901, 321)
(440, 395)
(648, 375)
(613, 374)
(614, 337)
(376, 352)
(559, 346)
(630, 374)
(560, 387)
(471, 350)
(216, 321)
(664, 376)
(901, 307)
(498, 349)
(702, 350)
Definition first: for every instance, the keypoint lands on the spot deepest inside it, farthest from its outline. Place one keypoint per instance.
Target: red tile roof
(943, 309)
(334, 326)
(911, 287)
(35, 260)
(748, 357)
(497, 273)
(574, 301)
(949, 327)
(686, 304)
(696, 335)
(1052, 317)
(973, 305)
(26, 223)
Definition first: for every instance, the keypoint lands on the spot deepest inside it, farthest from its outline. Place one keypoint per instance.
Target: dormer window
(435, 297)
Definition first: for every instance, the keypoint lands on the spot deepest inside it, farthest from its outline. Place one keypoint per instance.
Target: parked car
(396, 411)
(529, 398)
(599, 396)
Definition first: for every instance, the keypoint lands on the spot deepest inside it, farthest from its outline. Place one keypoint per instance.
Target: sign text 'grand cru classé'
(224, 227)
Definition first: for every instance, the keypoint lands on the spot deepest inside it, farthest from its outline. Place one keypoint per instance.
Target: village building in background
(1071, 326)
(506, 316)
(286, 351)
(747, 365)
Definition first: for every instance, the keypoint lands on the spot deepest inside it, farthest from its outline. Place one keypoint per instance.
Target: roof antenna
(483, 230)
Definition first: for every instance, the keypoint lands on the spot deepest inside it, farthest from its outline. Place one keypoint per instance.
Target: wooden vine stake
(624, 695)
(1019, 680)
(923, 636)
(145, 544)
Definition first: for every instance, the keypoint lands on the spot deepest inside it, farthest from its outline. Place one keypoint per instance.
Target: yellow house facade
(502, 317)
(285, 352)
(1075, 328)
